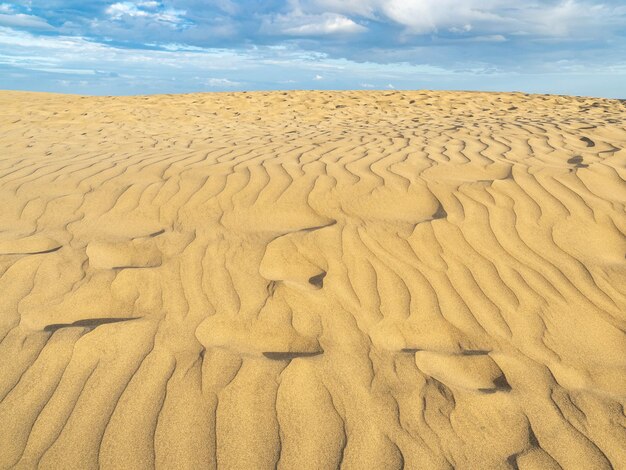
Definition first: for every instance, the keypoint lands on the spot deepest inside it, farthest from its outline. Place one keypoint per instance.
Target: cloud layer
(549, 45)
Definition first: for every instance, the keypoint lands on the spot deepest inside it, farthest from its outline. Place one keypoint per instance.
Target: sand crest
(312, 280)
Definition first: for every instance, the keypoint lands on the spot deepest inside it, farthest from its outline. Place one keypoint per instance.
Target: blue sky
(176, 46)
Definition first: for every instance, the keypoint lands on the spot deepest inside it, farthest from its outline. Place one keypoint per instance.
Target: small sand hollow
(312, 280)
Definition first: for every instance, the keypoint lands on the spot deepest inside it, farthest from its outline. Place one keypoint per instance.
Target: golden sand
(309, 280)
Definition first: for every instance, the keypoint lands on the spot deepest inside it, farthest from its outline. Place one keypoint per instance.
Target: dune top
(312, 280)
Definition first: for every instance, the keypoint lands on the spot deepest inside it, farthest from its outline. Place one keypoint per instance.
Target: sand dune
(311, 280)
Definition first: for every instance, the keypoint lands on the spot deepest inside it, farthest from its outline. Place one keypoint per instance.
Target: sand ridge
(312, 280)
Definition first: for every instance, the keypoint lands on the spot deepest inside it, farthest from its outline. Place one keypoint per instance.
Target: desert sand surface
(312, 280)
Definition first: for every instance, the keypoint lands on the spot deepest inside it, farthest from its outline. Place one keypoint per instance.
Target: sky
(107, 47)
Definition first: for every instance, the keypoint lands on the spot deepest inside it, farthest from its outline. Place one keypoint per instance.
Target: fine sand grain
(309, 280)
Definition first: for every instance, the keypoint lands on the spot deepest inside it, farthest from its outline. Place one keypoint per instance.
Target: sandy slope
(309, 280)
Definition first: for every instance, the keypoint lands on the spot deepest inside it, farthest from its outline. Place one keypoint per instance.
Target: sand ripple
(312, 280)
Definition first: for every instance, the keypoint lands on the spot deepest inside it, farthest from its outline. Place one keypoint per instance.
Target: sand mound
(312, 280)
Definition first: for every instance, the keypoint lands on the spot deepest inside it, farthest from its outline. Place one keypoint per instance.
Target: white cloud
(489, 38)
(146, 9)
(555, 18)
(121, 9)
(423, 17)
(222, 83)
(148, 4)
(326, 24)
(10, 17)
(20, 20)
(466, 28)
(297, 24)
(318, 78)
